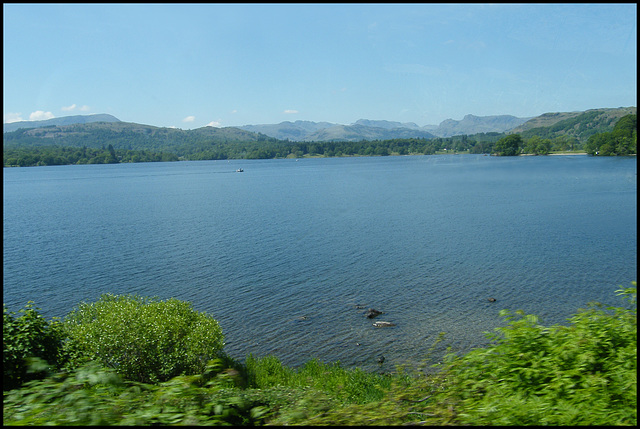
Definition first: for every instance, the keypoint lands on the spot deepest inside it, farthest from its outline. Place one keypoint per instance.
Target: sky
(223, 65)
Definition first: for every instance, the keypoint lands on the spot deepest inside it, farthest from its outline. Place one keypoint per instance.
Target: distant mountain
(65, 120)
(363, 129)
(359, 132)
(388, 125)
(366, 129)
(296, 131)
(471, 124)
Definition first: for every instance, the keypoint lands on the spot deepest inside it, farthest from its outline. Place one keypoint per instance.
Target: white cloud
(189, 119)
(288, 111)
(234, 111)
(39, 115)
(74, 106)
(216, 124)
(12, 117)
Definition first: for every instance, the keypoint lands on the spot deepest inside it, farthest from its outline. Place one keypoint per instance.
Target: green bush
(143, 339)
(581, 374)
(25, 337)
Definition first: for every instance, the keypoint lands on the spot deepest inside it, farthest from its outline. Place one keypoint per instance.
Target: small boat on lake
(239, 170)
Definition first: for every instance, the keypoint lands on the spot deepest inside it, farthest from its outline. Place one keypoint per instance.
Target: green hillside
(578, 125)
(132, 136)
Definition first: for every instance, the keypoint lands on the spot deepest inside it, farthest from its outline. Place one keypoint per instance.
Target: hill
(579, 125)
(209, 141)
(65, 120)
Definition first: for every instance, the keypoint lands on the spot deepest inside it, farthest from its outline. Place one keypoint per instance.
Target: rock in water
(371, 313)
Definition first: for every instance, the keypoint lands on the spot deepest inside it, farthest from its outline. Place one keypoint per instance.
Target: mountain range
(574, 124)
(365, 129)
(308, 131)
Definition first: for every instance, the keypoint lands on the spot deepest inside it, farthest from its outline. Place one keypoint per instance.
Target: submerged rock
(491, 300)
(371, 313)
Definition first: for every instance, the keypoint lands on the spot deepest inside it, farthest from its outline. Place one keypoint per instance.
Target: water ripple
(282, 254)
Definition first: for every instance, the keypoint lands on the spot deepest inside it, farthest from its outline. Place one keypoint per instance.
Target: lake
(289, 254)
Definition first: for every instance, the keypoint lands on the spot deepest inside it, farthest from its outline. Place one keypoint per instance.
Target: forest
(67, 155)
(26, 148)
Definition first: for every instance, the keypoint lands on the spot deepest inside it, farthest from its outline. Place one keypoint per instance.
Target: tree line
(61, 155)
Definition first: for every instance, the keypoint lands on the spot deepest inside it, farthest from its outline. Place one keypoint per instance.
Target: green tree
(143, 339)
(621, 141)
(112, 158)
(509, 145)
(564, 142)
(537, 145)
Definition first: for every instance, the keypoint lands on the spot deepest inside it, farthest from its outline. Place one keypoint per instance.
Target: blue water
(282, 253)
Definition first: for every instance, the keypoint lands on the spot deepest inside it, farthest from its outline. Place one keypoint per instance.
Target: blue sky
(192, 65)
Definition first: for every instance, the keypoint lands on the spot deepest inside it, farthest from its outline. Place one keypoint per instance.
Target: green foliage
(26, 337)
(577, 127)
(582, 374)
(537, 146)
(58, 155)
(623, 140)
(509, 145)
(349, 386)
(93, 395)
(143, 339)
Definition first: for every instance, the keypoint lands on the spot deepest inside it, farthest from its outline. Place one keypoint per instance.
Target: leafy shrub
(25, 337)
(143, 339)
(582, 374)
